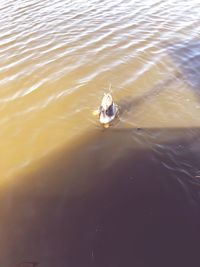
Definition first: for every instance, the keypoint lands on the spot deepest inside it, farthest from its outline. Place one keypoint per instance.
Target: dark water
(141, 209)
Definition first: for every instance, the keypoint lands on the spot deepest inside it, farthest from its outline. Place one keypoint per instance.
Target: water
(73, 194)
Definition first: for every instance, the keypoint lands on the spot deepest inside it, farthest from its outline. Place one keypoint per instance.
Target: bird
(107, 111)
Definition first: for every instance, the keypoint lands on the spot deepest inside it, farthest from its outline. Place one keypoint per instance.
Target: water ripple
(60, 55)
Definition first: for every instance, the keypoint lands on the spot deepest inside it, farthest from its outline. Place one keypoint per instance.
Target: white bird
(107, 111)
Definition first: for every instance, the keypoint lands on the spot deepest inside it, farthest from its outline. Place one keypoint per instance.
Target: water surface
(73, 194)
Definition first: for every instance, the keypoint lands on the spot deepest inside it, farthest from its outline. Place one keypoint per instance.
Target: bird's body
(107, 111)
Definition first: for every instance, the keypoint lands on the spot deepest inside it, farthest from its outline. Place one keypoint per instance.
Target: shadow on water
(132, 104)
(186, 57)
(119, 197)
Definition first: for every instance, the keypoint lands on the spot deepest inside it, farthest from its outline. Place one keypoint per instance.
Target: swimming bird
(107, 111)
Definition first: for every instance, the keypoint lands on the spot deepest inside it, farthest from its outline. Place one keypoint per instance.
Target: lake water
(75, 194)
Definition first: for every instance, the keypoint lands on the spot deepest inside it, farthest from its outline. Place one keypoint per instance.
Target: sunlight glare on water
(59, 57)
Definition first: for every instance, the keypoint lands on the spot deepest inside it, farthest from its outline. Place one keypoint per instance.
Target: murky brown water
(73, 194)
